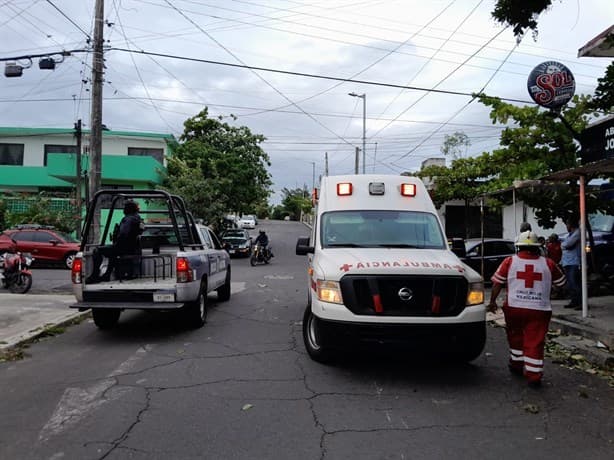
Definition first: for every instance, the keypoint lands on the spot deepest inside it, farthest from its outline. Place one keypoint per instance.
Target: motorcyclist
(263, 240)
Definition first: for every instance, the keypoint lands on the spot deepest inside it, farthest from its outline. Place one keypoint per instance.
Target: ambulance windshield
(389, 229)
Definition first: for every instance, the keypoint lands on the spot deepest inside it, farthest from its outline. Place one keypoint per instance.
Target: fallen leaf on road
(247, 407)
(577, 357)
(531, 408)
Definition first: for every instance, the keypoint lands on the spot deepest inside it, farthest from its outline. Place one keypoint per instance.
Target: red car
(46, 244)
(7, 244)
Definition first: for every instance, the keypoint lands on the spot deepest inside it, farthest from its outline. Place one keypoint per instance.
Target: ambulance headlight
(329, 291)
(475, 294)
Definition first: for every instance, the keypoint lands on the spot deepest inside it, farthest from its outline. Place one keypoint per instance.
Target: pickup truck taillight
(184, 272)
(75, 271)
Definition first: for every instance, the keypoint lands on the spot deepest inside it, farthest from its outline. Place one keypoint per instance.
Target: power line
(70, 20)
(309, 75)
(253, 70)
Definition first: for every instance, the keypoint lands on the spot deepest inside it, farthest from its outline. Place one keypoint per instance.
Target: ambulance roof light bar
(344, 188)
(408, 189)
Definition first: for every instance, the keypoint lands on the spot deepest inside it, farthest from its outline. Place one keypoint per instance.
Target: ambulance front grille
(425, 296)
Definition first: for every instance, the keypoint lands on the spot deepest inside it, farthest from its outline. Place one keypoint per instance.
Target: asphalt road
(242, 387)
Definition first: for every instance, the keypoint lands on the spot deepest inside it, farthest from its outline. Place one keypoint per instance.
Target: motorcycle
(15, 273)
(260, 255)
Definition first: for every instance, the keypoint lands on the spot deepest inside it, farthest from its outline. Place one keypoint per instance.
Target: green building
(35, 160)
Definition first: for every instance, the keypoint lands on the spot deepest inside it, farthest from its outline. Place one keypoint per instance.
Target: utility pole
(95, 165)
(356, 161)
(79, 205)
(326, 163)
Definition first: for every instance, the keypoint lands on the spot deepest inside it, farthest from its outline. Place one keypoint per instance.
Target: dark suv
(46, 244)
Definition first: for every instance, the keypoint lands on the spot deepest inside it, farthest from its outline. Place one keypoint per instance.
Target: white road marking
(237, 287)
(77, 403)
(279, 277)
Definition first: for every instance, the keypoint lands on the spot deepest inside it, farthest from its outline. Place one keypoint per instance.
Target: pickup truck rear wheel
(196, 312)
(105, 318)
(312, 336)
(223, 292)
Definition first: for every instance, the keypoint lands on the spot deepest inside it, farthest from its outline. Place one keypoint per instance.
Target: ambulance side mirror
(457, 245)
(303, 248)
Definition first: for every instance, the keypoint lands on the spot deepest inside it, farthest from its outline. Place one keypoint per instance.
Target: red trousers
(526, 336)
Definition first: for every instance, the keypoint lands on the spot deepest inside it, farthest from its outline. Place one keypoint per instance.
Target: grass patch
(12, 354)
(574, 360)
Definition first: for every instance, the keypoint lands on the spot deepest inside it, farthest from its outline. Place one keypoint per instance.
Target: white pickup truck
(176, 265)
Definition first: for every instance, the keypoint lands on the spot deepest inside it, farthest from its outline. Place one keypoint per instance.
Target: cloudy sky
(417, 62)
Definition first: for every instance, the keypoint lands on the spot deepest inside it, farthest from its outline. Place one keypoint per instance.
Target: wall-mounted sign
(598, 141)
(551, 84)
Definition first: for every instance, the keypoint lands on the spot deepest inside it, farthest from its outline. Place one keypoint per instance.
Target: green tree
(217, 168)
(455, 145)
(40, 211)
(537, 144)
(464, 180)
(296, 202)
(522, 16)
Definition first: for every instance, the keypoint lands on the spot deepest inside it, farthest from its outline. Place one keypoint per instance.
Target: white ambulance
(380, 271)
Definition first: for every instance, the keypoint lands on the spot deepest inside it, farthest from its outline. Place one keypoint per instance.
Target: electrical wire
(70, 20)
(253, 70)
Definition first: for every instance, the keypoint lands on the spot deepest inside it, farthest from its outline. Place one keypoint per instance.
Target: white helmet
(527, 238)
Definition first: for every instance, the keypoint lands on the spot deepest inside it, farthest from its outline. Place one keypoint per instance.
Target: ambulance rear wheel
(312, 336)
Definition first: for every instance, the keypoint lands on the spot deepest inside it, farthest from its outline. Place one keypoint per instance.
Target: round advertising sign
(551, 84)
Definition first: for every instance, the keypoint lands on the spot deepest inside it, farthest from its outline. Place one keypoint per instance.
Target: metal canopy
(599, 46)
(597, 168)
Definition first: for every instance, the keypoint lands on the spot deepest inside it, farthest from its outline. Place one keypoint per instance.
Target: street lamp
(363, 96)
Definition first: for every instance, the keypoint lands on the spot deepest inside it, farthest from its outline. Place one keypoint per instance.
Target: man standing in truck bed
(125, 242)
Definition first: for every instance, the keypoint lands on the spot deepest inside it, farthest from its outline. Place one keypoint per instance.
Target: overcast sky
(447, 45)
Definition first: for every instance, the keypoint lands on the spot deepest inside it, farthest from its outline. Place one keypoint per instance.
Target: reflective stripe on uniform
(533, 369)
(537, 362)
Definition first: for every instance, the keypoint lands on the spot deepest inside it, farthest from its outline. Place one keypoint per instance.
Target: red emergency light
(344, 188)
(408, 189)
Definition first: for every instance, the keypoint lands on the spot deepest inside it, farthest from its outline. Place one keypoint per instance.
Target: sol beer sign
(551, 84)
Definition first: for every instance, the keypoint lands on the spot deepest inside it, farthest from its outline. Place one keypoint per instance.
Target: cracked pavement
(243, 387)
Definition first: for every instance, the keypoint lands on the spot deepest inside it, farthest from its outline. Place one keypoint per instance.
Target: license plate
(232, 251)
(164, 297)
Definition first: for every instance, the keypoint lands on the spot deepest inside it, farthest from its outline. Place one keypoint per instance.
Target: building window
(11, 154)
(105, 200)
(58, 149)
(157, 154)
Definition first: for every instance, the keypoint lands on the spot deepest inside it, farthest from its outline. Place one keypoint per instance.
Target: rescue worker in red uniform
(527, 309)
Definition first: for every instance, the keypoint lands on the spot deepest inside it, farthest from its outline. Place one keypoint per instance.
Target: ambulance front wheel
(312, 336)
(473, 343)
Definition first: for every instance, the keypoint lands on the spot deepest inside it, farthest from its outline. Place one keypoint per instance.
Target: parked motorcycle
(260, 255)
(15, 273)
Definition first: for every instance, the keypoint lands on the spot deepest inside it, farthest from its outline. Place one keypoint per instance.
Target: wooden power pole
(95, 163)
(78, 203)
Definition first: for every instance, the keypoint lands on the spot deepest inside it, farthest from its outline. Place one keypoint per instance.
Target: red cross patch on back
(529, 275)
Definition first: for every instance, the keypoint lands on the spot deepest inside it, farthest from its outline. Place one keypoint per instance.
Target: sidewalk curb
(600, 357)
(578, 329)
(32, 335)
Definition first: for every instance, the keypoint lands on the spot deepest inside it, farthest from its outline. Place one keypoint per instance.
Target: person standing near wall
(570, 261)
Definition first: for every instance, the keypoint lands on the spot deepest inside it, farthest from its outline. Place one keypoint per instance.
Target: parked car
(247, 222)
(236, 232)
(7, 244)
(45, 243)
(495, 251)
(603, 236)
(237, 245)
